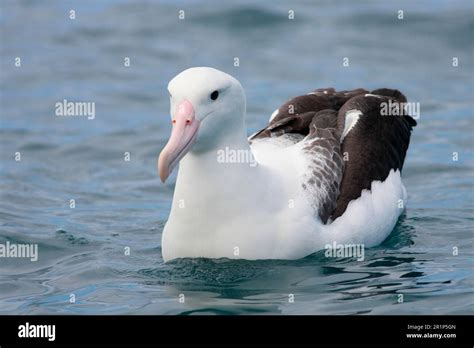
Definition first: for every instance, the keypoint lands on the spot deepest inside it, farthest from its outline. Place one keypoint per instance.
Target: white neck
(203, 182)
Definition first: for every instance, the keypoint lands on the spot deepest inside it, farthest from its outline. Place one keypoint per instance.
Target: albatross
(326, 169)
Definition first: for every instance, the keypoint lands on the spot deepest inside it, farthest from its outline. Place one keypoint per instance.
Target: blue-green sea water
(121, 205)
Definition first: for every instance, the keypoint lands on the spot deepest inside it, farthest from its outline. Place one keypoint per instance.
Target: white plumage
(236, 210)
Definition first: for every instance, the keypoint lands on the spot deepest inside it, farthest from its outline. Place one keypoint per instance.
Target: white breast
(264, 213)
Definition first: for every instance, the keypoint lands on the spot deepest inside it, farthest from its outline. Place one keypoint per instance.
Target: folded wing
(348, 139)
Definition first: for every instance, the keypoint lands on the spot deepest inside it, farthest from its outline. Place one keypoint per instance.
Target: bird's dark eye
(214, 95)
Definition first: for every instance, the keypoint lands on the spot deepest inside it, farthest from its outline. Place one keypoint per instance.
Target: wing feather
(344, 161)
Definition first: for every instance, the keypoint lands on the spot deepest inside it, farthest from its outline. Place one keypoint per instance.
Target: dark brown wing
(323, 177)
(296, 114)
(346, 160)
(312, 119)
(376, 144)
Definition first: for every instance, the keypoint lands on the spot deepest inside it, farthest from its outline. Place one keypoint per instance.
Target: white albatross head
(206, 105)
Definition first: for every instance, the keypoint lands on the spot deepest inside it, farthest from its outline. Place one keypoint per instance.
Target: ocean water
(122, 204)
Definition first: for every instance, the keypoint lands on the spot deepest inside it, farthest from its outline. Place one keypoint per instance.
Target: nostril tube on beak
(185, 110)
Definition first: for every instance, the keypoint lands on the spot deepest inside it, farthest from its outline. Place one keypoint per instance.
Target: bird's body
(288, 190)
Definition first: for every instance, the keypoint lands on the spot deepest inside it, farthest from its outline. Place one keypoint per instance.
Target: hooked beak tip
(163, 171)
(163, 178)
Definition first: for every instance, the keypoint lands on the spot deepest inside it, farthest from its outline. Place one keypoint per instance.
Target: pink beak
(183, 135)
